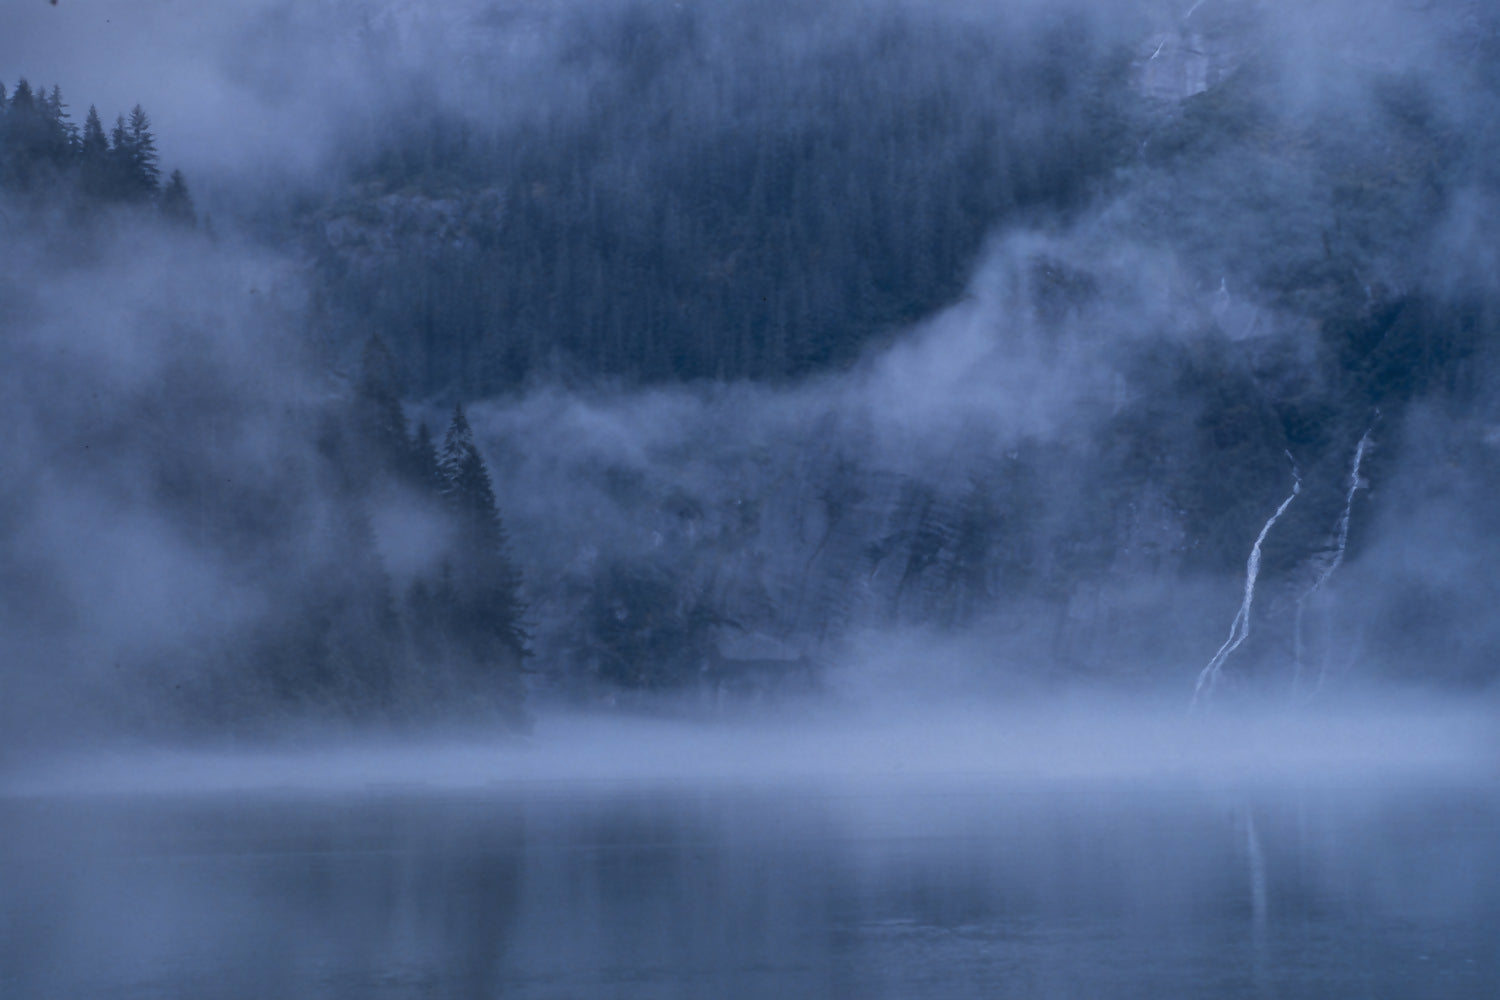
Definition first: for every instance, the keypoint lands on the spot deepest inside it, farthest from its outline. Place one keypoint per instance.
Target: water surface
(938, 886)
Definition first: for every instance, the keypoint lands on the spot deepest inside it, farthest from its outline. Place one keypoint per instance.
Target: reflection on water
(566, 890)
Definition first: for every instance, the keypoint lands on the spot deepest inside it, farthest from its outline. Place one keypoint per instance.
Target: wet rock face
(1191, 50)
(1178, 67)
(376, 224)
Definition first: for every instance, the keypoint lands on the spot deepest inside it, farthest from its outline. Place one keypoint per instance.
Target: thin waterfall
(1239, 630)
(1340, 546)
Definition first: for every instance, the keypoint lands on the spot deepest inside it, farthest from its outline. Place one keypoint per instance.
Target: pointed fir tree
(467, 488)
(93, 143)
(490, 608)
(120, 179)
(64, 131)
(22, 100)
(459, 459)
(144, 169)
(18, 140)
(5, 138)
(93, 156)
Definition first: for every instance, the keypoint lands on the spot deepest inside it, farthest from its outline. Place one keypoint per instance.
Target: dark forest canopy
(728, 196)
(757, 205)
(332, 633)
(44, 153)
(769, 334)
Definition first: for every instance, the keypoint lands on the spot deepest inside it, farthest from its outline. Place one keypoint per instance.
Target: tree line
(451, 633)
(775, 228)
(337, 633)
(764, 213)
(42, 149)
(327, 630)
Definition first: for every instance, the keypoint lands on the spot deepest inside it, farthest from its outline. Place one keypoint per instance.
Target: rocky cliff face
(1246, 272)
(1189, 50)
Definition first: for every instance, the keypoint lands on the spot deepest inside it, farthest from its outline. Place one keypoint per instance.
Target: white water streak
(1338, 556)
(1239, 630)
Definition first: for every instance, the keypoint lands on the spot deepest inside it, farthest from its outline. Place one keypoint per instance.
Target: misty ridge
(705, 357)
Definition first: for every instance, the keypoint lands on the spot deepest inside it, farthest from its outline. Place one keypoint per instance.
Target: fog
(858, 747)
(759, 485)
(1097, 848)
(1055, 473)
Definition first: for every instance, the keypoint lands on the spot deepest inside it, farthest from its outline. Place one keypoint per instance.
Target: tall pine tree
(19, 140)
(144, 169)
(121, 160)
(487, 610)
(41, 148)
(93, 156)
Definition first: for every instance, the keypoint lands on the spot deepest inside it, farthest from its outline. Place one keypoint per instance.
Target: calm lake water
(860, 889)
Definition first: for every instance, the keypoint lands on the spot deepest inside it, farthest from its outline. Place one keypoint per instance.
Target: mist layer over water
(1011, 321)
(1032, 740)
(966, 885)
(1161, 247)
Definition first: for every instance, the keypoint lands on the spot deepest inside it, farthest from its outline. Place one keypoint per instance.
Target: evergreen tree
(460, 463)
(144, 170)
(121, 157)
(64, 132)
(39, 135)
(489, 608)
(38, 143)
(18, 139)
(22, 100)
(134, 174)
(466, 485)
(5, 138)
(93, 156)
(93, 142)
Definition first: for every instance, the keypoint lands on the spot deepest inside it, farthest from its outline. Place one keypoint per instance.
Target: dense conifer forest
(749, 498)
(45, 154)
(766, 336)
(332, 634)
